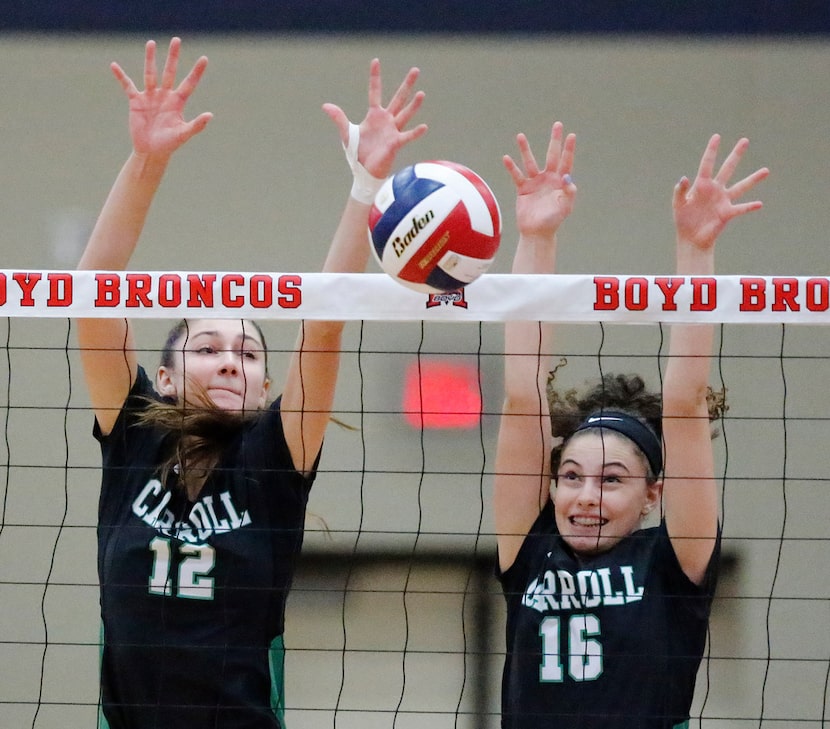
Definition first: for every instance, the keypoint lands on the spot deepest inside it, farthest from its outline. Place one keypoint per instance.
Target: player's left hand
(703, 208)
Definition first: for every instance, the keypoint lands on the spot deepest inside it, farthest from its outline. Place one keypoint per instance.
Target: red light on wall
(441, 394)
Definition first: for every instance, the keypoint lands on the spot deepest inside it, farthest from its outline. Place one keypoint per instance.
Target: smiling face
(602, 492)
(223, 358)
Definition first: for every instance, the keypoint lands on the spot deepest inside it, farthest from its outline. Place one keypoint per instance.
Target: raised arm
(544, 198)
(702, 210)
(371, 147)
(157, 128)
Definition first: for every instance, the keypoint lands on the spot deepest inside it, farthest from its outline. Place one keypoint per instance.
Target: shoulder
(265, 439)
(656, 545)
(141, 394)
(541, 539)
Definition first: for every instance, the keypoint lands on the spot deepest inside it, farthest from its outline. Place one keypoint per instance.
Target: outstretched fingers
(513, 170)
(338, 116)
(375, 84)
(171, 64)
(157, 124)
(196, 125)
(703, 207)
(405, 136)
(168, 77)
(403, 105)
(150, 65)
(740, 188)
(554, 153)
(706, 168)
(191, 81)
(531, 167)
(405, 115)
(125, 81)
(559, 157)
(733, 159)
(404, 92)
(739, 209)
(566, 158)
(544, 196)
(681, 189)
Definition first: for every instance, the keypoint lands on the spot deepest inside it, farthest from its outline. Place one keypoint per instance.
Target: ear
(653, 493)
(263, 397)
(165, 383)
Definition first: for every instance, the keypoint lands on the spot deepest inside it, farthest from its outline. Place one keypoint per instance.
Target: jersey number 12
(195, 563)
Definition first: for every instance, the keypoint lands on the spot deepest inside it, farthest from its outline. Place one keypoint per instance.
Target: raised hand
(544, 197)
(383, 130)
(157, 124)
(703, 208)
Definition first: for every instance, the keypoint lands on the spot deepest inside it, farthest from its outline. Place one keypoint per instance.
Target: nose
(591, 492)
(229, 362)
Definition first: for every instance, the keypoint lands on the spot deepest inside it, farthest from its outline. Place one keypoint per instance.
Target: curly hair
(624, 392)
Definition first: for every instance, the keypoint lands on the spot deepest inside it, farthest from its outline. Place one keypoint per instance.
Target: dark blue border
(752, 17)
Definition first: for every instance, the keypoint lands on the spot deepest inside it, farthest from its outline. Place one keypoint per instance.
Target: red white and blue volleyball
(435, 226)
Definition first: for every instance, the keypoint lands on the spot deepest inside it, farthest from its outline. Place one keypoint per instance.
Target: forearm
(311, 379)
(690, 348)
(119, 225)
(527, 344)
(349, 251)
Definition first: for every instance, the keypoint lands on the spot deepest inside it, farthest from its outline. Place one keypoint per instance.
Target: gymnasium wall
(262, 188)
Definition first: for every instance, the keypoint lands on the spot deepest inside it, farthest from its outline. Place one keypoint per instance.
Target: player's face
(223, 357)
(602, 492)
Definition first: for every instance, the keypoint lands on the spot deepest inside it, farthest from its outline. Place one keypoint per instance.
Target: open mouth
(587, 521)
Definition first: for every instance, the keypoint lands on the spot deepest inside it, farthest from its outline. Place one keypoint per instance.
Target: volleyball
(435, 226)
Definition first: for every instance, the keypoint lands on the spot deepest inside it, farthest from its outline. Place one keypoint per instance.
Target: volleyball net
(395, 618)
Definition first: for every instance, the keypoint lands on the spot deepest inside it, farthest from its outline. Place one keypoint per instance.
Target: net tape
(376, 297)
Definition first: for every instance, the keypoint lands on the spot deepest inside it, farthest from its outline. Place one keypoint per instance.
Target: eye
(206, 349)
(611, 478)
(568, 475)
(250, 354)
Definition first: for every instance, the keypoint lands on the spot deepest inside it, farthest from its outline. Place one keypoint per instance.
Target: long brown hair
(198, 433)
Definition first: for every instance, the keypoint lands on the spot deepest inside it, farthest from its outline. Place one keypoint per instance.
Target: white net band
(376, 297)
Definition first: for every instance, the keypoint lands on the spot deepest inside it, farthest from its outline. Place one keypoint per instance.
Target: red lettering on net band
(172, 291)
(139, 289)
(107, 290)
(290, 290)
(817, 294)
(201, 290)
(351, 296)
(704, 294)
(607, 293)
(60, 290)
(669, 287)
(27, 282)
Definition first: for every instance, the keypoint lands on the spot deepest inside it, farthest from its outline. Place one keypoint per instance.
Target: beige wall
(261, 189)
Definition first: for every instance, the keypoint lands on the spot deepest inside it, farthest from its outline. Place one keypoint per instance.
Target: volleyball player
(607, 620)
(205, 484)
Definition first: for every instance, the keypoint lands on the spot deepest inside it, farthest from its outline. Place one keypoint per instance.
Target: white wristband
(364, 186)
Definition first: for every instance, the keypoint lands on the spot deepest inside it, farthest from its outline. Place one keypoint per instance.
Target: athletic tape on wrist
(364, 186)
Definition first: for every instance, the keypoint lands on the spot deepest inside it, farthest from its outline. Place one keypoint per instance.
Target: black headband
(632, 428)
